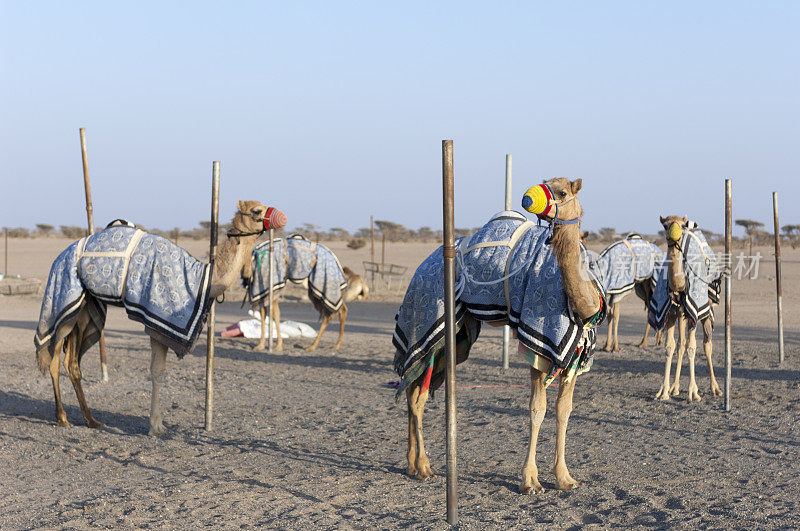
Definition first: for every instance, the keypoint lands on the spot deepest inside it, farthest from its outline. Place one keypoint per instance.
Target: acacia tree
(751, 228)
(793, 233)
(44, 228)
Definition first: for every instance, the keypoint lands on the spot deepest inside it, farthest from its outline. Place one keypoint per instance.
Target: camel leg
(158, 364)
(325, 321)
(659, 339)
(416, 407)
(694, 393)
(262, 342)
(55, 374)
(342, 319)
(663, 392)
(611, 310)
(707, 348)
(617, 311)
(276, 317)
(563, 408)
(676, 385)
(538, 406)
(643, 342)
(412, 436)
(72, 363)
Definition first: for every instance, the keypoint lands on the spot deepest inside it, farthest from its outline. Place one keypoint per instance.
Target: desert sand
(316, 439)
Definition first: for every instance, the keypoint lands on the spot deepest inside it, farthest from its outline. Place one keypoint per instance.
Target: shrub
(356, 243)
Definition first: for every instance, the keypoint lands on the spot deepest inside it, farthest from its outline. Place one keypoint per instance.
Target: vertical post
(87, 188)
(269, 316)
(728, 313)
(449, 255)
(212, 256)
(506, 328)
(778, 274)
(372, 250)
(5, 269)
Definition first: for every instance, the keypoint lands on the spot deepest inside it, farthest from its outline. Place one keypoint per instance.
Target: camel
(356, 288)
(76, 334)
(629, 265)
(563, 212)
(677, 230)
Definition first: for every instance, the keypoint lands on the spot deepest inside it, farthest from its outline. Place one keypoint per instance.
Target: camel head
(555, 199)
(253, 218)
(674, 227)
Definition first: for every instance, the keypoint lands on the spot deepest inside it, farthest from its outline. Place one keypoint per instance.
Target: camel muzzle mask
(541, 201)
(274, 219)
(674, 233)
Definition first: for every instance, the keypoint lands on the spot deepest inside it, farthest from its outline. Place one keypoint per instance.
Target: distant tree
(205, 225)
(338, 233)
(18, 232)
(44, 228)
(607, 233)
(793, 234)
(72, 231)
(356, 243)
(392, 231)
(751, 228)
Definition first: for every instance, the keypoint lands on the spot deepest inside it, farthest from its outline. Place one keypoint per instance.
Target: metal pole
(449, 254)
(506, 328)
(87, 188)
(728, 313)
(372, 250)
(5, 231)
(212, 256)
(778, 275)
(269, 316)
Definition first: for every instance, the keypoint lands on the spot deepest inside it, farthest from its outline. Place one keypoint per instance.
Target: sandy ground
(316, 438)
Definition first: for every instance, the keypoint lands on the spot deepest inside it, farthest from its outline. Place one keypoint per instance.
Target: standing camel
(628, 265)
(533, 278)
(330, 287)
(158, 283)
(684, 294)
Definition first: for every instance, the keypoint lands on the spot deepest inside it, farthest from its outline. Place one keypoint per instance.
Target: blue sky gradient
(336, 111)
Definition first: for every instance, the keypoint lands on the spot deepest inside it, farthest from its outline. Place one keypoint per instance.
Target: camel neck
(580, 290)
(675, 272)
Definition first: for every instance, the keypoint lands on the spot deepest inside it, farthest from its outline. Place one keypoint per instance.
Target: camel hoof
(616, 348)
(95, 425)
(675, 390)
(662, 395)
(259, 347)
(337, 347)
(568, 485)
(312, 347)
(411, 470)
(534, 488)
(63, 424)
(642, 344)
(716, 391)
(156, 430)
(607, 348)
(279, 348)
(424, 472)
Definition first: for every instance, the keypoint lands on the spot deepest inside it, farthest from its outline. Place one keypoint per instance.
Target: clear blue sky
(334, 111)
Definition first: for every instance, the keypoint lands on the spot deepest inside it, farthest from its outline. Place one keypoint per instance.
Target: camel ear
(662, 219)
(577, 184)
(685, 220)
(241, 206)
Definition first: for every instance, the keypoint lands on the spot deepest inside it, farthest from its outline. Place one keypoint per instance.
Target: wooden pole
(507, 206)
(269, 317)
(778, 275)
(449, 254)
(87, 188)
(5, 256)
(372, 249)
(212, 256)
(728, 313)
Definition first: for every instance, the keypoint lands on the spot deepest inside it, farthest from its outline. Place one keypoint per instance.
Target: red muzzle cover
(274, 219)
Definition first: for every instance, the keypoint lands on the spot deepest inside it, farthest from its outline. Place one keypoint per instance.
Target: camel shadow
(13, 404)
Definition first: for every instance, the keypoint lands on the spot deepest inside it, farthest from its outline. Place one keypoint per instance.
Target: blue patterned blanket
(259, 285)
(625, 263)
(532, 299)
(703, 275)
(158, 283)
(326, 280)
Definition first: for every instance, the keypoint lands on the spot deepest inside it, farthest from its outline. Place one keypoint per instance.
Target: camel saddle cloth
(506, 273)
(318, 264)
(625, 263)
(259, 285)
(703, 275)
(159, 284)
